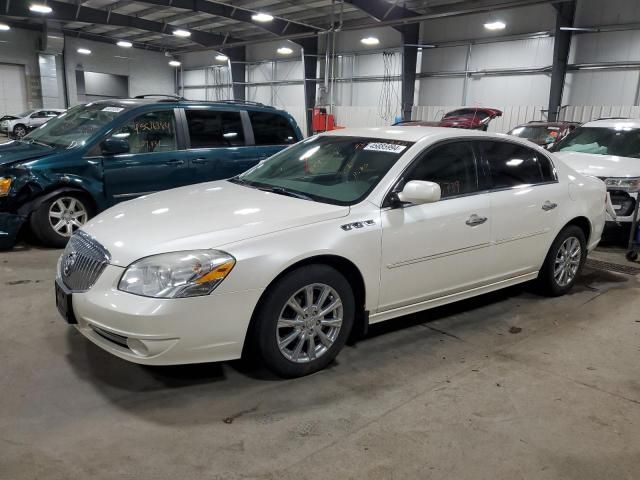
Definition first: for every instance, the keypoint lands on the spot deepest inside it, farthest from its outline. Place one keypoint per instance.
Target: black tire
(42, 227)
(265, 331)
(547, 280)
(632, 256)
(19, 130)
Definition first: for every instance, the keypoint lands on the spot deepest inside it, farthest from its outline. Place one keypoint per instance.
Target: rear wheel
(19, 131)
(305, 321)
(57, 218)
(564, 261)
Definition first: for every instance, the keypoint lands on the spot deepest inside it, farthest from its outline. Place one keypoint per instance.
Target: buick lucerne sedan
(341, 230)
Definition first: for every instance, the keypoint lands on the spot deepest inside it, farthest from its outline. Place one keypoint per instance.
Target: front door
(524, 200)
(436, 249)
(154, 161)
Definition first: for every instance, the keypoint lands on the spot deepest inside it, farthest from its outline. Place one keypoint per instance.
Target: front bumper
(153, 331)
(10, 224)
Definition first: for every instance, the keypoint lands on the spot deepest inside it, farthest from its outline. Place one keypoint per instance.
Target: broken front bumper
(10, 224)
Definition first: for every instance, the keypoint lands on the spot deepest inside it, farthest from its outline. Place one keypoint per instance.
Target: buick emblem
(68, 262)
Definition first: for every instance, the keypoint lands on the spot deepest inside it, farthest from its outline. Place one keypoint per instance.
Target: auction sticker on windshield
(385, 147)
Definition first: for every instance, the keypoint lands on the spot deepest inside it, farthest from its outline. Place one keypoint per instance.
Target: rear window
(214, 128)
(513, 165)
(272, 129)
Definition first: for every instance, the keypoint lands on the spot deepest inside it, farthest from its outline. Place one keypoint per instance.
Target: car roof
(178, 101)
(614, 123)
(413, 133)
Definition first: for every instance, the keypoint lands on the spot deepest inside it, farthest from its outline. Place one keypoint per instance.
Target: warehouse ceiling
(150, 24)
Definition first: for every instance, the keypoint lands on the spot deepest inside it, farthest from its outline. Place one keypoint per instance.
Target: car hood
(15, 151)
(202, 216)
(604, 166)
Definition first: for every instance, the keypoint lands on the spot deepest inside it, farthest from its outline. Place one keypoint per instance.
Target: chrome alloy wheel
(19, 131)
(567, 261)
(309, 323)
(66, 215)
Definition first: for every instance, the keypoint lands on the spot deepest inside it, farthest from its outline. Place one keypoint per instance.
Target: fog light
(137, 347)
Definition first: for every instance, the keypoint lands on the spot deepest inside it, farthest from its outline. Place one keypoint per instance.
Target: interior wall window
(452, 166)
(272, 129)
(513, 165)
(150, 132)
(214, 128)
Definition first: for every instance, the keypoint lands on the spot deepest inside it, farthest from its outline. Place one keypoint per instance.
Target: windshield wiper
(31, 141)
(284, 191)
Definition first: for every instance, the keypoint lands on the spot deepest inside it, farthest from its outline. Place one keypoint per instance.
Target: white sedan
(21, 124)
(341, 230)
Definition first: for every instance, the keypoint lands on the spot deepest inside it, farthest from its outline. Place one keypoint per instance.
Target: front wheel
(305, 320)
(563, 262)
(57, 218)
(19, 131)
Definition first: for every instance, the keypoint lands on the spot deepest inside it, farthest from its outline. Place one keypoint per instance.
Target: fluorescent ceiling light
(40, 8)
(285, 51)
(261, 17)
(84, 51)
(124, 44)
(4, 27)
(578, 29)
(370, 41)
(174, 63)
(221, 57)
(498, 25)
(181, 33)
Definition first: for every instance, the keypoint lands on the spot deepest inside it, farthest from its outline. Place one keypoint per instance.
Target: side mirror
(114, 146)
(419, 191)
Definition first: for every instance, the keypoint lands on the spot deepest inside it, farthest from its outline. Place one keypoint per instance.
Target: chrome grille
(82, 262)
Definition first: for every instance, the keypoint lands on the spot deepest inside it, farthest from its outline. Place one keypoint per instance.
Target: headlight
(5, 185)
(629, 184)
(178, 274)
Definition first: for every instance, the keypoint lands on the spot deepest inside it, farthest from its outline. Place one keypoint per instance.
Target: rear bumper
(10, 224)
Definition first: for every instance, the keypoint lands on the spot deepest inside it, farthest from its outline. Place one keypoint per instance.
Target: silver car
(21, 124)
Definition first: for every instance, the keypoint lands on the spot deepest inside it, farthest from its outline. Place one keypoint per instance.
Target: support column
(562, 45)
(310, 68)
(238, 57)
(410, 38)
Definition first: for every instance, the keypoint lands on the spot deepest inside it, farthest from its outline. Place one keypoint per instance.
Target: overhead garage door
(13, 89)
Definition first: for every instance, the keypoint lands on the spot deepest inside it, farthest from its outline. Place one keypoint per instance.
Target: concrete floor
(506, 386)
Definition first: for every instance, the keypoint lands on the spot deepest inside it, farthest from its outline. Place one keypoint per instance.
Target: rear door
(154, 162)
(525, 196)
(217, 143)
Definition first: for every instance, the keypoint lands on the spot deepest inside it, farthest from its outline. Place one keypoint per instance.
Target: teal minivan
(96, 155)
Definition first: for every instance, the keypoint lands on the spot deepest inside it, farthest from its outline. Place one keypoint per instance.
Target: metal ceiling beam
(68, 12)
(277, 26)
(383, 11)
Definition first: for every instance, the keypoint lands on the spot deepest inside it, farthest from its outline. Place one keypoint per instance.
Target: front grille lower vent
(82, 262)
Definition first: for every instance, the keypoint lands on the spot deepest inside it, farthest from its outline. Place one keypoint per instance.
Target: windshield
(539, 134)
(623, 142)
(72, 128)
(330, 169)
(467, 114)
(24, 114)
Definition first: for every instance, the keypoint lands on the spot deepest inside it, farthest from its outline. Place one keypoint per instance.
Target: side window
(272, 129)
(150, 132)
(512, 165)
(452, 166)
(39, 114)
(211, 128)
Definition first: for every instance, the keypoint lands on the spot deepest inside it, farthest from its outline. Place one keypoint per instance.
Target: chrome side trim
(439, 255)
(522, 237)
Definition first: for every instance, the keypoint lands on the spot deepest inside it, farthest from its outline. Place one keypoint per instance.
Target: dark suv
(98, 154)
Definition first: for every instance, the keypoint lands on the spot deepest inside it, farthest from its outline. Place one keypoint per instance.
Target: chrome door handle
(475, 220)
(199, 161)
(546, 206)
(174, 162)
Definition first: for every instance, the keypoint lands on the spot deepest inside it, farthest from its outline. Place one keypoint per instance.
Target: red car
(545, 134)
(469, 117)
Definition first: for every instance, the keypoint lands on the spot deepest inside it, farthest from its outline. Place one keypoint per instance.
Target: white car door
(525, 200)
(37, 118)
(435, 249)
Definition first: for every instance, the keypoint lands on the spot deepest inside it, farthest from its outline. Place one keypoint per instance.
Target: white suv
(21, 124)
(610, 150)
